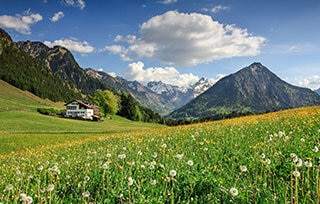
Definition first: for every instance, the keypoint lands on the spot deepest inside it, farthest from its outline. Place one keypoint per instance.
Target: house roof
(85, 104)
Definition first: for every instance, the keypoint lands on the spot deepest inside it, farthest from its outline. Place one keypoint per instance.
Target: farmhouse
(81, 109)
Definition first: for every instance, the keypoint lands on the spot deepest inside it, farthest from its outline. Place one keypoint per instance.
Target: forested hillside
(26, 73)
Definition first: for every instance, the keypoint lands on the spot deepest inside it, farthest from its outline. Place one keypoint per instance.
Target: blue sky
(176, 41)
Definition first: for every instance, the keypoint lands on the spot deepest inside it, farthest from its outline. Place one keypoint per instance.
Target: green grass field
(269, 158)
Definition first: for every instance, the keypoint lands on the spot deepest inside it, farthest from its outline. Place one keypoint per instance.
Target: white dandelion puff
(9, 187)
(243, 168)
(315, 149)
(153, 182)
(190, 163)
(86, 194)
(268, 161)
(50, 187)
(234, 191)
(173, 173)
(298, 163)
(308, 163)
(105, 165)
(130, 181)
(296, 174)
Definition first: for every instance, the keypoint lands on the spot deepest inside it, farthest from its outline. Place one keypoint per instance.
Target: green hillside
(18, 114)
(12, 98)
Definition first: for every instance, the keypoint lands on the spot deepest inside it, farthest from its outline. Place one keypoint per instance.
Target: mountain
(142, 94)
(158, 96)
(318, 91)
(61, 61)
(253, 89)
(176, 95)
(28, 74)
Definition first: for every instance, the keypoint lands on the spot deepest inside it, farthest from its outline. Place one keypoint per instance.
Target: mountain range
(60, 61)
(54, 73)
(253, 89)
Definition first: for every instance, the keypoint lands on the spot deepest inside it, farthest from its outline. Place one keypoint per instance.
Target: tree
(108, 102)
(128, 107)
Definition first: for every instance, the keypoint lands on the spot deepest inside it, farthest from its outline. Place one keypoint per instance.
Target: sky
(176, 41)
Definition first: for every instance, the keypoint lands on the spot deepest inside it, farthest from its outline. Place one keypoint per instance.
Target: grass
(12, 98)
(22, 127)
(270, 158)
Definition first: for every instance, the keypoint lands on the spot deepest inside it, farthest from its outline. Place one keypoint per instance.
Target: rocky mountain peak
(253, 89)
(4, 36)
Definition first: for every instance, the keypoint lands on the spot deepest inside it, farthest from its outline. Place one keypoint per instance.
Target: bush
(50, 111)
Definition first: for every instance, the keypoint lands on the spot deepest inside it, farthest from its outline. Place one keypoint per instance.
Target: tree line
(124, 105)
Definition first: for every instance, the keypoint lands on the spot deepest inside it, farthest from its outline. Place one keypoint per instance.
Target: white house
(81, 109)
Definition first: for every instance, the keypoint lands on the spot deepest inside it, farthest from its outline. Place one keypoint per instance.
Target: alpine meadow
(268, 158)
(159, 102)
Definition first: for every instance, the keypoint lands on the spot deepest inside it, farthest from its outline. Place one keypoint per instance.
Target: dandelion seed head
(268, 161)
(190, 163)
(234, 191)
(29, 199)
(105, 165)
(179, 156)
(153, 182)
(315, 149)
(296, 174)
(173, 173)
(50, 187)
(155, 155)
(122, 156)
(9, 187)
(243, 168)
(298, 162)
(86, 178)
(130, 181)
(308, 163)
(86, 194)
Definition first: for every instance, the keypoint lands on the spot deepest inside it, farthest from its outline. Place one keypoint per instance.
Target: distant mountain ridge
(160, 97)
(61, 61)
(253, 89)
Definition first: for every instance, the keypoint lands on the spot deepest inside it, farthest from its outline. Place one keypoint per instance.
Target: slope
(27, 73)
(12, 98)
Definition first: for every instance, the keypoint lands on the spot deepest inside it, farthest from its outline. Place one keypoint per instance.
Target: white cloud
(72, 44)
(169, 75)
(76, 3)
(312, 82)
(20, 23)
(216, 9)
(169, 1)
(183, 39)
(219, 8)
(57, 16)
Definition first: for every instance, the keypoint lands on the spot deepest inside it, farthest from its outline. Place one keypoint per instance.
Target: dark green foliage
(127, 107)
(50, 111)
(26, 73)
